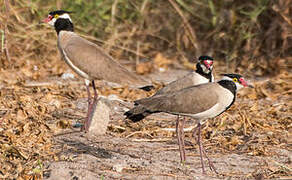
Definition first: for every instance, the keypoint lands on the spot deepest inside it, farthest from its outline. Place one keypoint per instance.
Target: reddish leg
(91, 105)
(183, 138)
(202, 150)
(180, 139)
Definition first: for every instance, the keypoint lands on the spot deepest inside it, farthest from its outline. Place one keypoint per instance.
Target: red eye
(243, 82)
(48, 19)
(208, 63)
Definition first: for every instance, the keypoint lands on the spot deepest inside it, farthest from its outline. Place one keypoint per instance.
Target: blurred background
(251, 37)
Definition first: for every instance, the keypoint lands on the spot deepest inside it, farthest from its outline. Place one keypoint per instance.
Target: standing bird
(199, 102)
(203, 74)
(89, 60)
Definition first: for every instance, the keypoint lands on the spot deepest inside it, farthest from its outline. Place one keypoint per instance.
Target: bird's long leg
(85, 126)
(179, 139)
(200, 147)
(88, 92)
(91, 107)
(183, 138)
(94, 90)
(211, 165)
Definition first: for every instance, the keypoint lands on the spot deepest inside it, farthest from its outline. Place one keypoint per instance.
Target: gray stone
(100, 118)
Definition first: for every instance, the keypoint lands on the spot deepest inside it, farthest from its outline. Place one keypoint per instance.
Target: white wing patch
(75, 68)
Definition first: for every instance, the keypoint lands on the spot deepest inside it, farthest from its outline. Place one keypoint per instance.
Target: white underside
(210, 113)
(225, 99)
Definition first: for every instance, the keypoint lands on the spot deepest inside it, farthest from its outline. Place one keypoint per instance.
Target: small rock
(100, 118)
(118, 167)
(67, 76)
(55, 103)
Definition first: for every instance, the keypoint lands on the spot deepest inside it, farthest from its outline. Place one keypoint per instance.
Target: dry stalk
(189, 28)
(7, 8)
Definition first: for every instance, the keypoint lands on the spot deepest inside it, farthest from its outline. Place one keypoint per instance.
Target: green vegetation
(228, 30)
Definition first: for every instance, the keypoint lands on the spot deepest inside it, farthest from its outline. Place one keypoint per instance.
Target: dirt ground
(149, 150)
(109, 157)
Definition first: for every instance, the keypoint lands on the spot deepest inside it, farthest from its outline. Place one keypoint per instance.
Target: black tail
(137, 113)
(147, 88)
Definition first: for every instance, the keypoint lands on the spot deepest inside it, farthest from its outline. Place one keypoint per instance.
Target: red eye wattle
(208, 64)
(48, 19)
(243, 82)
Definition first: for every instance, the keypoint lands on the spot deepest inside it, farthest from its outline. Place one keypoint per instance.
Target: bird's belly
(210, 113)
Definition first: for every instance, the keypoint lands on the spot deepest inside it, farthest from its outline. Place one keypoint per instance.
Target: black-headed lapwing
(89, 60)
(199, 102)
(203, 74)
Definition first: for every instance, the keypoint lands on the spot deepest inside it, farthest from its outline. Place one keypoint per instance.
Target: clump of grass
(231, 31)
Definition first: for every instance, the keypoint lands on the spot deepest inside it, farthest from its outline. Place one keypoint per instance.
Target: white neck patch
(63, 16)
(204, 68)
(238, 85)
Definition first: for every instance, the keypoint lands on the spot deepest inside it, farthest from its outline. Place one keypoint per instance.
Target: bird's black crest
(201, 58)
(237, 76)
(59, 12)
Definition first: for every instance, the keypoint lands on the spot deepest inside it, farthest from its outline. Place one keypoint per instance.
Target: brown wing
(191, 100)
(176, 85)
(93, 60)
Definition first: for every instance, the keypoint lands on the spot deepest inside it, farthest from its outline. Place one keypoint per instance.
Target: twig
(50, 83)
(151, 140)
(173, 129)
(114, 10)
(7, 7)
(138, 132)
(188, 26)
(172, 148)
(2, 40)
(6, 45)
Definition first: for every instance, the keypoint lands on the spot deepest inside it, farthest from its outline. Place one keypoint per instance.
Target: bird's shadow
(78, 147)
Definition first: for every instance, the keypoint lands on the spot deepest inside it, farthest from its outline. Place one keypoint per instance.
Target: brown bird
(203, 74)
(89, 60)
(199, 102)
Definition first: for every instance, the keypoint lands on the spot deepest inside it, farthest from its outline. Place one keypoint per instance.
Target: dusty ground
(252, 140)
(149, 150)
(112, 157)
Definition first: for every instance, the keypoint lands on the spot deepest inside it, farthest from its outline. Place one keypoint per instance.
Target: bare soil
(149, 150)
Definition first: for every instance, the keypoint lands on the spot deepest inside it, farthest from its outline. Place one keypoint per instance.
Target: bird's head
(205, 63)
(55, 15)
(239, 81)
